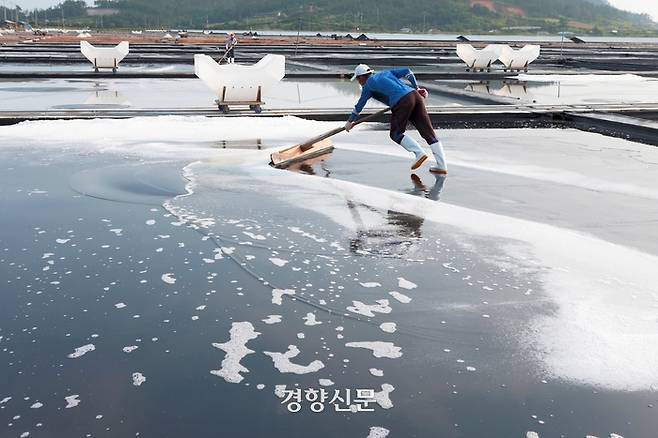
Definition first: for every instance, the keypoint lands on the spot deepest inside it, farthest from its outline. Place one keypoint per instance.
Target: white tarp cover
(241, 81)
(519, 59)
(104, 57)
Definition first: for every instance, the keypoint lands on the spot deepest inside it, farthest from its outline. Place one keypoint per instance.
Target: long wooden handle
(307, 144)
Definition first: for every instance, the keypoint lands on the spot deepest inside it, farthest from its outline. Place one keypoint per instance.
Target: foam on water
(378, 348)
(138, 378)
(236, 349)
(382, 306)
(277, 295)
(400, 297)
(81, 351)
(284, 365)
(378, 432)
(72, 401)
(168, 278)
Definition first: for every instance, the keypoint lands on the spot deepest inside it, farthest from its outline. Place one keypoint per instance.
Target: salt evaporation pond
(154, 284)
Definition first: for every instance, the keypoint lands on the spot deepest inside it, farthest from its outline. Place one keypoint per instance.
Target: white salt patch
(236, 349)
(36, 405)
(309, 319)
(326, 382)
(195, 317)
(138, 378)
(382, 306)
(614, 435)
(61, 241)
(470, 368)
(376, 372)
(254, 236)
(81, 351)
(378, 432)
(598, 324)
(531, 434)
(272, 319)
(228, 250)
(168, 278)
(379, 348)
(120, 305)
(279, 390)
(284, 365)
(117, 231)
(308, 235)
(277, 295)
(383, 398)
(209, 260)
(406, 284)
(150, 222)
(72, 401)
(201, 307)
(278, 262)
(388, 327)
(370, 284)
(130, 348)
(4, 400)
(400, 297)
(260, 386)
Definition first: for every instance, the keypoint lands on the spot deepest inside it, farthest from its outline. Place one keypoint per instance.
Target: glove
(349, 125)
(423, 92)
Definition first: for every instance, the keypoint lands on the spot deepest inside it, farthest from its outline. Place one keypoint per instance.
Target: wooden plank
(296, 154)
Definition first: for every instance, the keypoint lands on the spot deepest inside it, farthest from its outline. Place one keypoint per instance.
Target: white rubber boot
(440, 167)
(412, 146)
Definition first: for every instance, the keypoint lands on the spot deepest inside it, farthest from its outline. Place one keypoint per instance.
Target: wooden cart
(254, 105)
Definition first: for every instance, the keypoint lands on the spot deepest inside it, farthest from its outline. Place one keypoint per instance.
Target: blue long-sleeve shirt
(386, 87)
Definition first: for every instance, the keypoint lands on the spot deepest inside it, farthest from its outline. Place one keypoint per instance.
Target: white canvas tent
(105, 57)
(240, 84)
(519, 59)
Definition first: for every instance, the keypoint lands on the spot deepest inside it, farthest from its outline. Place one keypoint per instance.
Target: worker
(231, 42)
(406, 102)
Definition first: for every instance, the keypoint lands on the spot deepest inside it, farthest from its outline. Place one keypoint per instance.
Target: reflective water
(173, 93)
(96, 251)
(605, 89)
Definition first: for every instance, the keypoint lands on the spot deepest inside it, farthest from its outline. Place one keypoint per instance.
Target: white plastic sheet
(511, 59)
(105, 57)
(479, 58)
(241, 81)
(519, 59)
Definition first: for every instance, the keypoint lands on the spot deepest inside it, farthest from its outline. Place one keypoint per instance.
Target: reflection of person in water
(403, 228)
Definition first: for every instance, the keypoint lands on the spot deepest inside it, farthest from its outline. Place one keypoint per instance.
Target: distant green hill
(582, 16)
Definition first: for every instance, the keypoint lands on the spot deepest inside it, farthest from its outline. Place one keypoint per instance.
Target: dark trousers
(411, 108)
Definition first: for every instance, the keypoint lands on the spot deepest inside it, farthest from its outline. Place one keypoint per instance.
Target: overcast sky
(647, 6)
